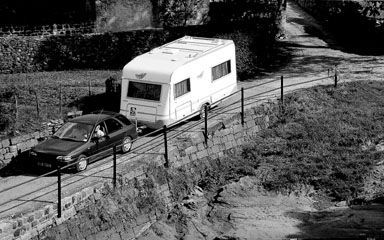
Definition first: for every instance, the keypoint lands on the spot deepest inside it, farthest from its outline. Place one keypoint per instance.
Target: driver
(99, 132)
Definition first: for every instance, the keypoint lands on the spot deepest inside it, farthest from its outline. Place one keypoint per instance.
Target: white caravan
(177, 79)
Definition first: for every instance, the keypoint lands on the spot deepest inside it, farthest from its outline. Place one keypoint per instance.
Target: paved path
(311, 53)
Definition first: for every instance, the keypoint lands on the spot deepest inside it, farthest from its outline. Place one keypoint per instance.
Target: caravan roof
(159, 63)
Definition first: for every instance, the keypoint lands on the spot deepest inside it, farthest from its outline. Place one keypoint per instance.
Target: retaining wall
(12, 148)
(146, 189)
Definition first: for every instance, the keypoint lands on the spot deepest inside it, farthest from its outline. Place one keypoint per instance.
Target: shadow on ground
(354, 222)
(103, 101)
(21, 165)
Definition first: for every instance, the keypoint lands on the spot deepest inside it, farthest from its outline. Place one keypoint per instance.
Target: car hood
(59, 147)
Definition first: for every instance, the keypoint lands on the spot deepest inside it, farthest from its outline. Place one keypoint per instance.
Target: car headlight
(64, 158)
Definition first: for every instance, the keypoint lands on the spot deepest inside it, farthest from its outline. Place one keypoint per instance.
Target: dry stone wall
(146, 189)
(12, 148)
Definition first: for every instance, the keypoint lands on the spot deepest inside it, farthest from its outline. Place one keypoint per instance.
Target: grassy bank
(324, 139)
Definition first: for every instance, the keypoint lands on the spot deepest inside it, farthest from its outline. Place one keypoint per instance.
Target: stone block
(39, 214)
(191, 149)
(3, 151)
(215, 149)
(21, 146)
(16, 140)
(202, 154)
(238, 128)
(230, 137)
(13, 149)
(36, 135)
(5, 227)
(8, 156)
(228, 145)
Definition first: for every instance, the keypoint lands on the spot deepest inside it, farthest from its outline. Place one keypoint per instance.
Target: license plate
(43, 164)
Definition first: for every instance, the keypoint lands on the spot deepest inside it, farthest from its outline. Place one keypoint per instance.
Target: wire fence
(152, 142)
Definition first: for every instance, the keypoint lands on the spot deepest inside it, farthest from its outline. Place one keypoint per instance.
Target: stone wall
(47, 30)
(12, 148)
(145, 192)
(114, 50)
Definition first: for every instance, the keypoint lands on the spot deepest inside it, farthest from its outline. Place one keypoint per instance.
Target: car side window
(123, 119)
(113, 125)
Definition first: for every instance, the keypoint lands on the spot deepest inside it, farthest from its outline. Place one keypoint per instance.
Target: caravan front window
(146, 91)
(182, 88)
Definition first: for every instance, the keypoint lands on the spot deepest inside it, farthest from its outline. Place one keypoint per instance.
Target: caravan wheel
(202, 110)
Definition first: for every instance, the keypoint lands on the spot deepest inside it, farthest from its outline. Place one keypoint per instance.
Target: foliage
(181, 12)
(317, 139)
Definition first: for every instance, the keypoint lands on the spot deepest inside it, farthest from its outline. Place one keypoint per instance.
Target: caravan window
(221, 70)
(182, 88)
(144, 91)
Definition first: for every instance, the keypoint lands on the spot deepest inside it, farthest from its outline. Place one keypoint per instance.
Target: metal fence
(161, 136)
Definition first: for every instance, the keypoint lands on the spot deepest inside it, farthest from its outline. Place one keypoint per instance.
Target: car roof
(93, 118)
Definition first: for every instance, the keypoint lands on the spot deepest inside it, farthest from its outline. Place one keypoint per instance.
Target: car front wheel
(82, 163)
(127, 144)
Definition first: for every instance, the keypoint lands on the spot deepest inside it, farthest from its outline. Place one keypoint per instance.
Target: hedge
(114, 50)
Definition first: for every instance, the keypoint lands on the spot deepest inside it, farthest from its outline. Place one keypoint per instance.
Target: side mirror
(94, 139)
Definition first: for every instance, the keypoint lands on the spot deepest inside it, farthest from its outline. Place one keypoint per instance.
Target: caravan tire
(202, 110)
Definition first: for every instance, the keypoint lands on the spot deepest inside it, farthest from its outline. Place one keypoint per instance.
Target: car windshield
(74, 131)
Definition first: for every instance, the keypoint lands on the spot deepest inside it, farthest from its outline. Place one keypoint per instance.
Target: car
(85, 139)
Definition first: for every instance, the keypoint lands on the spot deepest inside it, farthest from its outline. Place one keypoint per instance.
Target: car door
(101, 143)
(115, 132)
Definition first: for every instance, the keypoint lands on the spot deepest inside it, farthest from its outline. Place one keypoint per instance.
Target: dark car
(85, 139)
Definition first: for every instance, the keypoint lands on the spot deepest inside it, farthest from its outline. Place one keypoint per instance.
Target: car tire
(82, 163)
(127, 144)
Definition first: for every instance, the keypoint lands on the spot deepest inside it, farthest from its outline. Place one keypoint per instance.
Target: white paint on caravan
(174, 80)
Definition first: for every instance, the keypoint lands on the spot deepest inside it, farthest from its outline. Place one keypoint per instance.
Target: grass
(319, 141)
(74, 90)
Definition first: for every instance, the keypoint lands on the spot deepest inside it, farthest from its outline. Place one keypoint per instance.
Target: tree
(183, 12)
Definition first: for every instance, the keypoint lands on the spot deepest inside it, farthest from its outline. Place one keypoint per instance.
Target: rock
(341, 204)
(380, 147)
(198, 191)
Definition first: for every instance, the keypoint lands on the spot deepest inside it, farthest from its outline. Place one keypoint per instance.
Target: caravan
(178, 79)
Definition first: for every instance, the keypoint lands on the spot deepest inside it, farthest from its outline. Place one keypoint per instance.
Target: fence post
(89, 87)
(165, 147)
(242, 106)
(206, 123)
(60, 101)
(336, 77)
(282, 90)
(114, 167)
(58, 190)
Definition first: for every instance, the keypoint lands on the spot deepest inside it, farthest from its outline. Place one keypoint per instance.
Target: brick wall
(145, 191)
(11, 148)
